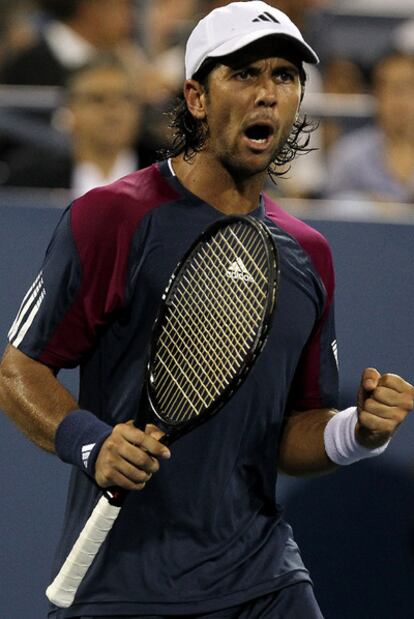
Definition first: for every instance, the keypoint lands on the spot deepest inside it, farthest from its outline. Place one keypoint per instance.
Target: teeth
(258, 140)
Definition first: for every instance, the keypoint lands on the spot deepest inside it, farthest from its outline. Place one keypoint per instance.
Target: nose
(266, 94)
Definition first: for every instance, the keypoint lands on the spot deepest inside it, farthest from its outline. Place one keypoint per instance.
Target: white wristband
(341, 445)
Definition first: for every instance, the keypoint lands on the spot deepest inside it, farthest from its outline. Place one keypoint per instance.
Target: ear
(195, 95)
(63, 120)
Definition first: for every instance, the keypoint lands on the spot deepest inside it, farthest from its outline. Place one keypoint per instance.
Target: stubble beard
(239, 168)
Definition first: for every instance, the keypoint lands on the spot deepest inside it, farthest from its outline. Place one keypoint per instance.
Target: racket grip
(62, 590)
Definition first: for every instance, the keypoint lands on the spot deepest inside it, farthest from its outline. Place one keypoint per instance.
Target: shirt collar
(86, 175)
(70, 48)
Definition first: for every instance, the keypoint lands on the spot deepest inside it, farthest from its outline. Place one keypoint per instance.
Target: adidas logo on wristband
(86, 452)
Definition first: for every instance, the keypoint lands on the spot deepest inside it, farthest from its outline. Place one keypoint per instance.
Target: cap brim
(306, 53)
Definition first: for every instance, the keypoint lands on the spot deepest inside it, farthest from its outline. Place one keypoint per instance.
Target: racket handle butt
(62, 590)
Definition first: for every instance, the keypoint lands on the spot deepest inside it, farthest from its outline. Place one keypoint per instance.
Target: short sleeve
(80, 285)
(316, 382)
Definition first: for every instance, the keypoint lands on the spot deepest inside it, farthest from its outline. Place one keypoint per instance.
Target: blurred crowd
(86, 85)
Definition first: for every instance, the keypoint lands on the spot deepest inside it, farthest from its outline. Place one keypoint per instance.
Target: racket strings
(212, 321)
(200, 341)
(239, 264)
(193, 359)
(188, 340)
(190, 363)
(258, 266)
(175, 339)
(216, 307)
(250, 250)
(191, 383)
(221, 303)
(249, 299)
(216, 304)
(187, 323)
(197, 381)
(249, 245)
(195, 388)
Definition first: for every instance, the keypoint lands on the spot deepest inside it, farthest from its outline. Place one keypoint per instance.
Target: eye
(244, 74)
(286, 75)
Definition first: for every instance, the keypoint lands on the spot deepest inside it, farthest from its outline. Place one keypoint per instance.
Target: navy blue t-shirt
(206, 532)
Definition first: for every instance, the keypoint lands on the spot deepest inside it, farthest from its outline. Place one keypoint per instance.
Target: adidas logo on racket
(237, 270)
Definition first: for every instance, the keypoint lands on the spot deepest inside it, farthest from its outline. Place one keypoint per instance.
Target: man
(74, 34)
(205, 537)
(101, 114)
(376, 162)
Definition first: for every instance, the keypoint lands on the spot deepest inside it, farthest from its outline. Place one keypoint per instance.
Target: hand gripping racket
(212, 324)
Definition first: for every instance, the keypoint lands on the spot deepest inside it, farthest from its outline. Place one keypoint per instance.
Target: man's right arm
(37, 403)
(32, 397)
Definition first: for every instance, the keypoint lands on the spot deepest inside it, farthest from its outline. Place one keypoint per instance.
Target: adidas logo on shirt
(266, 17)
(237, 270)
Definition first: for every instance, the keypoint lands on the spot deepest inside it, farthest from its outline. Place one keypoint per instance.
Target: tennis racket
(211, 326)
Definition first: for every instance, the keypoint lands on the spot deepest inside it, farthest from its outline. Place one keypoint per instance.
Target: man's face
(104, 109)
(394, 89)
(250, 107)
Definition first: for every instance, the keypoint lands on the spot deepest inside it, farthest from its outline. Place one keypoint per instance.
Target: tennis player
(205, 537)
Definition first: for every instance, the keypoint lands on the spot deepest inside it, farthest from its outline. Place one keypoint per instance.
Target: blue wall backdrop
(355, 528)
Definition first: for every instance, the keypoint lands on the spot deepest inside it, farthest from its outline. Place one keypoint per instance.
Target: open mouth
(259, 133)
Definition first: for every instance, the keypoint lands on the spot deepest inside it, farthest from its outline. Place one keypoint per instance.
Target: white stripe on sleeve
(27, 312)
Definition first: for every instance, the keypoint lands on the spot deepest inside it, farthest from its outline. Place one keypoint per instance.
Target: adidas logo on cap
(232, 27)
(266, 17)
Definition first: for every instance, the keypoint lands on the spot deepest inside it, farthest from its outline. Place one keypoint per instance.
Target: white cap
(230, 28)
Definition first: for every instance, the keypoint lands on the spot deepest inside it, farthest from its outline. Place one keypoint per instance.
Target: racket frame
(148, 406)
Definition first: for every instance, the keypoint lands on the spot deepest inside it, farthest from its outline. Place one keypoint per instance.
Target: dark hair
(190, 134)
(103, 60)
(60, 9)
(388, 55)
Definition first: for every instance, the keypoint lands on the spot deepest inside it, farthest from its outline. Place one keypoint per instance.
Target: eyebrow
(282, 66)
(282, 63)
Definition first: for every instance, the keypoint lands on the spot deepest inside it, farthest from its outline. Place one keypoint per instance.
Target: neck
(103, 159)
(208, 179)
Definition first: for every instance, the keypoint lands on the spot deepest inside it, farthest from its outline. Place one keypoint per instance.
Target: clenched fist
(384, 401)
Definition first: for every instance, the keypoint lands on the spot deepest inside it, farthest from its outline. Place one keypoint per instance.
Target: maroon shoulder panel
(103, 223)
(312, 241)
(307, 387)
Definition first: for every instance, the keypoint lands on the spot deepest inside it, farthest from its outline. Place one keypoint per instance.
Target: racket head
(212, 323)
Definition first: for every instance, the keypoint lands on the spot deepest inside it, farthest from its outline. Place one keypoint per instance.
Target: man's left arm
(383, 403)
